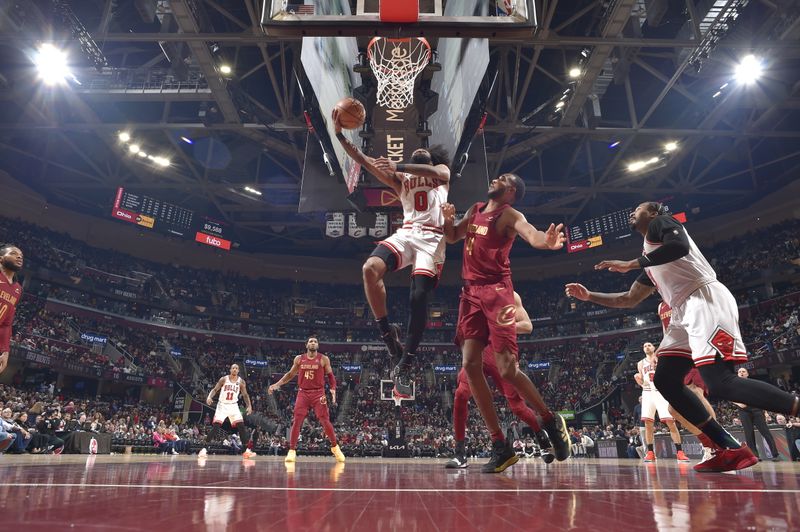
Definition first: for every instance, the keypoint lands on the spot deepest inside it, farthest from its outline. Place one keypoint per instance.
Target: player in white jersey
(703, 330)
(652, 402)
(422, 186)
(229, 388)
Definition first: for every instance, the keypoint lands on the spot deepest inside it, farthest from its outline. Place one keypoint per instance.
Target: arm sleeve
(332, 380)
(672, 235)
(645, 279)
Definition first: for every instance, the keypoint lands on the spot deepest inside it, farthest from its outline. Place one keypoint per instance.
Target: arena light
(134, 148)
(749, 70)
(187, 140)
(251, 190)
(636, 166)
(142, 154)
(52, 64)
(559, 105)
(574, 72)
(639, 321)
(671, 146)
(225, 69)
(161, 161)
(124, 136)
(614, 144)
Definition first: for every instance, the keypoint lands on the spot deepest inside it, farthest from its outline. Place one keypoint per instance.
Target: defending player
(422, 187)
(518, 407)
(653, 402)
(311, 368)
(229, 388)
(11, 262)
(703, 331)
(486, 313)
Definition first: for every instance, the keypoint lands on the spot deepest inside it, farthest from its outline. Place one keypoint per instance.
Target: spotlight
(749, 69)
(574, 72)
(134, 148)
(671, 146)
(52, 64)
(636, 166)
(161, 161)
(559, 105)
(251, 190)
(652, 160)
(614, 144)
(124, 136)
(225, 69)
(143, 155)
(187, 140)
(716, 94)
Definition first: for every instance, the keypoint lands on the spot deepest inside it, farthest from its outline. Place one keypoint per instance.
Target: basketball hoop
(396, 63)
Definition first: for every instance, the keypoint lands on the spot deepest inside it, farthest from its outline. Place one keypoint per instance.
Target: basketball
(351, 113)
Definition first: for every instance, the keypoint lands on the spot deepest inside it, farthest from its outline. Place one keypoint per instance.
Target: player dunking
(311, 368)
(486, 313)
(229, 388)
(703, 331)
(652, 402)
(518, 407)
(422, 187)
(11, 261)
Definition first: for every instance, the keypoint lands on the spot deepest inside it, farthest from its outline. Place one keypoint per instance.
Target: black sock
(718, 434)
(383, 325)
(678, 447)
(460, 447)
(649, 446)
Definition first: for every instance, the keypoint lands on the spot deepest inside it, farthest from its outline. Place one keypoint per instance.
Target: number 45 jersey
(419, 243)
(311, 376)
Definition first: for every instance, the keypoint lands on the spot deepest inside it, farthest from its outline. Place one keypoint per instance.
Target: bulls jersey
(679, 278)
(422, 199)
(648, 371)
(10, 294)
(229, 395)
(311, 375)
(485, 250)
(665, 315)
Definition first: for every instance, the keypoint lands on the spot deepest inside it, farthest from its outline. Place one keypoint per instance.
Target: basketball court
(225, 493)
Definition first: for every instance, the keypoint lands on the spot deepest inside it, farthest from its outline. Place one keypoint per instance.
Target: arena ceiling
(640, 88)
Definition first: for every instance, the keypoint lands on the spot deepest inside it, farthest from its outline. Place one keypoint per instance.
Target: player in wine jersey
(518, 407)
(11, 262)
(652, 402)
(311, 368)
(703, 330)
(229, 388)
(486, 312)
(422, 187)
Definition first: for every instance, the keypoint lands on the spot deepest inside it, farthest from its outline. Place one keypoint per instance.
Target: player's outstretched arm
(440, 172)
(289, 375)
(552, 239)
(217, 387)
(389, 179)
(452, 232)
(637, 293)
(246, 396)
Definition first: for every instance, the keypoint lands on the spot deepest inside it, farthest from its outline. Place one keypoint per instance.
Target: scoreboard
(612, 226)
(168, 218)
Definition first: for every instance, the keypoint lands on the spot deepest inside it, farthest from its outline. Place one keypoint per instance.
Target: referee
(754, 417)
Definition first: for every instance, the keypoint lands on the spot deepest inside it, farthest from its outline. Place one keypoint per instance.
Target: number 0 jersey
(422, 199)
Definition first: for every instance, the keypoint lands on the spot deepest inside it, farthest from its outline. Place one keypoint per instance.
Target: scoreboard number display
(608, 227)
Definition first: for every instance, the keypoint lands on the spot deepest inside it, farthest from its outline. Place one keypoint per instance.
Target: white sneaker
(203, 453)
(174, 451)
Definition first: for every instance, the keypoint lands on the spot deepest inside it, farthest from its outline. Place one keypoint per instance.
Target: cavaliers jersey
(422, 199)
(648, 371)
(679, 278)
(665, 315)
(10, 294)
(485, 250)
(229, 395)
(311, 375)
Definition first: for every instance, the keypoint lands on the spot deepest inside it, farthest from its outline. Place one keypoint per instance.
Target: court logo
(323, 400)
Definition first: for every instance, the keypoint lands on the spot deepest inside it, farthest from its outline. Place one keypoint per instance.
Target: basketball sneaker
(727, 460)
(403, 385)
(556, 430)
(203, 453)
(650, 456)
(291, 456)
(503, 457)
(708, 454)
(545, 447)
(392, 341)
(459, 461)
(681, 456)
(337, 452)
(248, 453)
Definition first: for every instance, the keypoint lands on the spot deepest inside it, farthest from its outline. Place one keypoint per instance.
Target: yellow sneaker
(337, 452)
(291, 456)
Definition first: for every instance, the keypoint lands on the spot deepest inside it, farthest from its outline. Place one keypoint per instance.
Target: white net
(396, 64)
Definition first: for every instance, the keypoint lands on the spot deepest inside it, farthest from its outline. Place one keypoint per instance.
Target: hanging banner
(353, 229)
(334, 224)
(381, 229)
